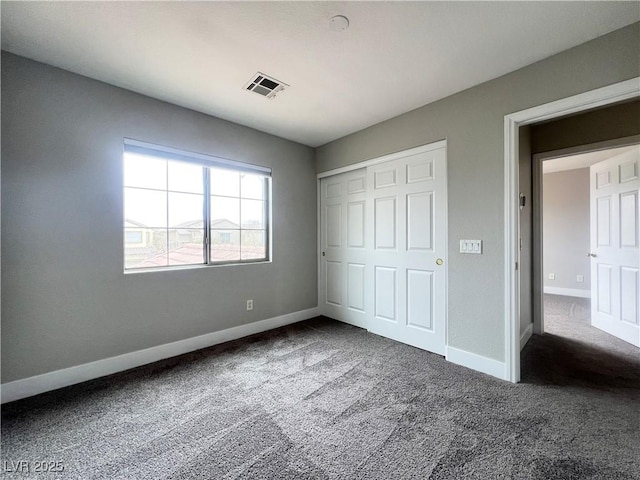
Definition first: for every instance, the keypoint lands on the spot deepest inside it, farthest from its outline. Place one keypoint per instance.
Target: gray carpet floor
(324, 400)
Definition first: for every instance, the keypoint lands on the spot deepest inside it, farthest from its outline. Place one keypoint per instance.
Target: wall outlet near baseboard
(249, 305)
(579, 278)
(552, 276)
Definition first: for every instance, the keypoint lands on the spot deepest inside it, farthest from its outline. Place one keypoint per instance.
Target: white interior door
(407, 224)
(383, 244)
(615, 290)
(343, 256)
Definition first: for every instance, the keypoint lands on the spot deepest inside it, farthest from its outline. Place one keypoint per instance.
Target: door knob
(591, 254)
(323, 254)
(439, 261)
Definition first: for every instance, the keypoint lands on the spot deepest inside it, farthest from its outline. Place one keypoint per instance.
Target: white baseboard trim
(37, 384)
(476, 362)
(348, 322)
(568, 292)
(526, 335)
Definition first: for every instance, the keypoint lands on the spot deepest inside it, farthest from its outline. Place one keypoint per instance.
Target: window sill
(180, 268)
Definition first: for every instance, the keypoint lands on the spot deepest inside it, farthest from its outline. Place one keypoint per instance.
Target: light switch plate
(471, 246)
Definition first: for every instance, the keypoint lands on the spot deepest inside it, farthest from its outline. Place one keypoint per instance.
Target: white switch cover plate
(471, 246)
(579, 278)
(552, 276)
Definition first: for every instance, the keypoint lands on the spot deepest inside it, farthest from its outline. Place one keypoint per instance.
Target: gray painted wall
(472, 122)
(526, 218)
(608, 123)
(565, 218)
(65, 299)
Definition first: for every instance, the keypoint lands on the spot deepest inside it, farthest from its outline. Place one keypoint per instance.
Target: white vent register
(265, 85)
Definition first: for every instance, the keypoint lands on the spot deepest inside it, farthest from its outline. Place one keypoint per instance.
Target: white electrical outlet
(579, 278)
(249, 305)
(552, 276)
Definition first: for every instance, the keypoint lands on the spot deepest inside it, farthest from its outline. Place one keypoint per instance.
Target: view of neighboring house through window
(189, 209)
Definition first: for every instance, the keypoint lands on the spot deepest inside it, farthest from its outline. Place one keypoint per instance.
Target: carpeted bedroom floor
(324, 400)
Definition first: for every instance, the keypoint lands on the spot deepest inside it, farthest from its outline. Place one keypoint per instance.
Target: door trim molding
(585, 101)
(385, 158)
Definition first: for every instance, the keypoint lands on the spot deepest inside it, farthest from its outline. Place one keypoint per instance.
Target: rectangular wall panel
(420, 299)
(384, 178)
(355, 294)
(603, 221)
(420, 221)
(629, 219)
(334, 282)
(628, 172)
(385, 293)
(629, 295)
(385, 223)
(334, 225)
(603, 280)
(355, 225)
(419, 171)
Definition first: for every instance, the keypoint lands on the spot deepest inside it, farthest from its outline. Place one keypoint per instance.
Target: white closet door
(615, 287)
(406, 255)
(343, 243)
(383, 245)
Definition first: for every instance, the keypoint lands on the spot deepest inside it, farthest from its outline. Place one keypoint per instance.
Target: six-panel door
(383, 235)
(407, 227)
(615, 289)
(343, 243)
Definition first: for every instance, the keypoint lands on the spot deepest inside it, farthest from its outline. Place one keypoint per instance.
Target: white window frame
(207, 162)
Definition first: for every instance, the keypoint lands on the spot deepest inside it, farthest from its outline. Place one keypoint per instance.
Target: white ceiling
(584, 160)
(394, 57)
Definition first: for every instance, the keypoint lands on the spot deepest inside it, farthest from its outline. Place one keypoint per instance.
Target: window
(182, 208)
(133, 236)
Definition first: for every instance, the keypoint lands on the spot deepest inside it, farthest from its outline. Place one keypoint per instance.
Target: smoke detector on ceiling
(338, 23)
(265, 85)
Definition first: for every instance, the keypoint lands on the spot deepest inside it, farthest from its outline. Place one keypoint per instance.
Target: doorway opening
(588, 236)
(517, 126)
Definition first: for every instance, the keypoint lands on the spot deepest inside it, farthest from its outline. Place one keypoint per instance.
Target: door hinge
(516, 265)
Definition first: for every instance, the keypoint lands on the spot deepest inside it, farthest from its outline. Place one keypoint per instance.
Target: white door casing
(607, 95)
(382, 231)
(615, 259)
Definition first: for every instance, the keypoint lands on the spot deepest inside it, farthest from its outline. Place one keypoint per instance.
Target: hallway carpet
(324, 400)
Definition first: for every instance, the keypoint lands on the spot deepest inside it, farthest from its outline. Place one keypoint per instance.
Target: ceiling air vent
(265, 85)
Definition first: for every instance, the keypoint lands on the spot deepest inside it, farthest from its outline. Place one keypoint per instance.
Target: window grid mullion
(265, 216)
(206, 175)
(167, 203)
(240, 217)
